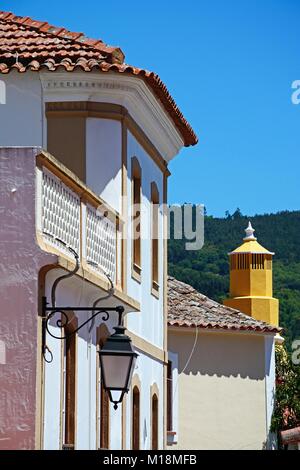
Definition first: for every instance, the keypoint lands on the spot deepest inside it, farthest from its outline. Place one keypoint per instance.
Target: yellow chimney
(251, 280)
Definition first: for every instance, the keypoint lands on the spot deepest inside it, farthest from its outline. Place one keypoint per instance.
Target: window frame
(136, 418)
(70, 379)
(103, 408)
(155, 265)
(154, 416)
(136, 199)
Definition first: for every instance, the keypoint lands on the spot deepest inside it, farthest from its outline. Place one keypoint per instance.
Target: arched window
(103, 334)
(70, 384)
(154, 235)
(154, 413)
(136, 216)
(104, 419)
(135, 419)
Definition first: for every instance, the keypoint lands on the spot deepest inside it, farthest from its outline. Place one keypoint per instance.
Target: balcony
(70, 215)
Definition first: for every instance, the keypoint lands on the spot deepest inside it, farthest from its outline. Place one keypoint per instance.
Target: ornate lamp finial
(249, 233)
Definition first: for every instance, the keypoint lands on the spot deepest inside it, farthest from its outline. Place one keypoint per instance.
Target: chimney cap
(249, 233)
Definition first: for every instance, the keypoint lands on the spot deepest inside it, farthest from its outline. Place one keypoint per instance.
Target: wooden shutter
(70, 384)
(136, 419)
(154, 422)
(136, 222)
(104, 419)
(103, 334)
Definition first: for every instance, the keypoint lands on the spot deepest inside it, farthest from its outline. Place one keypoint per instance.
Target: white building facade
(221, 388)
(87, 146)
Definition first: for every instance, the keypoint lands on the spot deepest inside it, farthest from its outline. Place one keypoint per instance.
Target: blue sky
(229, 65)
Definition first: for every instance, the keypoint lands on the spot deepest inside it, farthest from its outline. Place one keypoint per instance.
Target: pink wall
(20, 262)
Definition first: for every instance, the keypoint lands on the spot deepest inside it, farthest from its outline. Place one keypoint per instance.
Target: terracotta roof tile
(188, 308)
(27, 44)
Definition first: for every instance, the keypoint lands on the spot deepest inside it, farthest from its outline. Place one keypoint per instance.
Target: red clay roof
(188, 308)
(27, 44)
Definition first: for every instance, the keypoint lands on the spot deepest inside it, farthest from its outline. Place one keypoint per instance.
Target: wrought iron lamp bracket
(118, 344)
(48, 313)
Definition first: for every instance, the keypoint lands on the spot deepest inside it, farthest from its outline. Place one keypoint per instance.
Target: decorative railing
(60, 213)
(68, 219)
(101, 241)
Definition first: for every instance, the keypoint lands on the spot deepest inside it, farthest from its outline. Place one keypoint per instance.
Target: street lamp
(117, 360)
(117, 357)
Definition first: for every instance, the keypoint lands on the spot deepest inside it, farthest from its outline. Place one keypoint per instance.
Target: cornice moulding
(130, 92)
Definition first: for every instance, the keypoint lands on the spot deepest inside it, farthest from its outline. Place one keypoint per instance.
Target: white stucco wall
(104, 159)
(104, 148)
(221, 390)
(150, 324)
(121, 89)
(173, 357)
(270, 388)
(22, 115)
(23, 123)
(149, 372)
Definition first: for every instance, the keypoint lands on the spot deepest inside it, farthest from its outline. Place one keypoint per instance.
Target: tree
(237, 214)
(208, 269)
(287, 401)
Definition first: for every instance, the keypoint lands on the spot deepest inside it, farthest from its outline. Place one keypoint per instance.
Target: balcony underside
(95, 287)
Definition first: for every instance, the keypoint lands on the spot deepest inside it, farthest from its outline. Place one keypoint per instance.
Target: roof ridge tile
(57, 30)
(196, 311)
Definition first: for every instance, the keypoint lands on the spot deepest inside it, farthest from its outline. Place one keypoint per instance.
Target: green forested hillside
(208, 269)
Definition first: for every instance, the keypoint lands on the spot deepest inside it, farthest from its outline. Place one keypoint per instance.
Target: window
(154, 235)
(243, 261)
(169, 397)
(135, 419)
(258, 261)
(103, 334)
(154, 422)
(70, 385)
(104, 418)
(136, 215)
(66, 139)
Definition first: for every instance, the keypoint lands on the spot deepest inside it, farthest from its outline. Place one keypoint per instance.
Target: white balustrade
(61, 214)
(101, 241)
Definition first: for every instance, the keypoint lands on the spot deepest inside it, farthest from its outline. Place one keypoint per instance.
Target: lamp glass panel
(116, 395)
(116, 370)
(132, 369)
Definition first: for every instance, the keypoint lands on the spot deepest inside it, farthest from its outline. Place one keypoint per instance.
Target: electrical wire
(187, 362)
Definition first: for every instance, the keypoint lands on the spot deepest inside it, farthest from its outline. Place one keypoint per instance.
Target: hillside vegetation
(208, 269)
